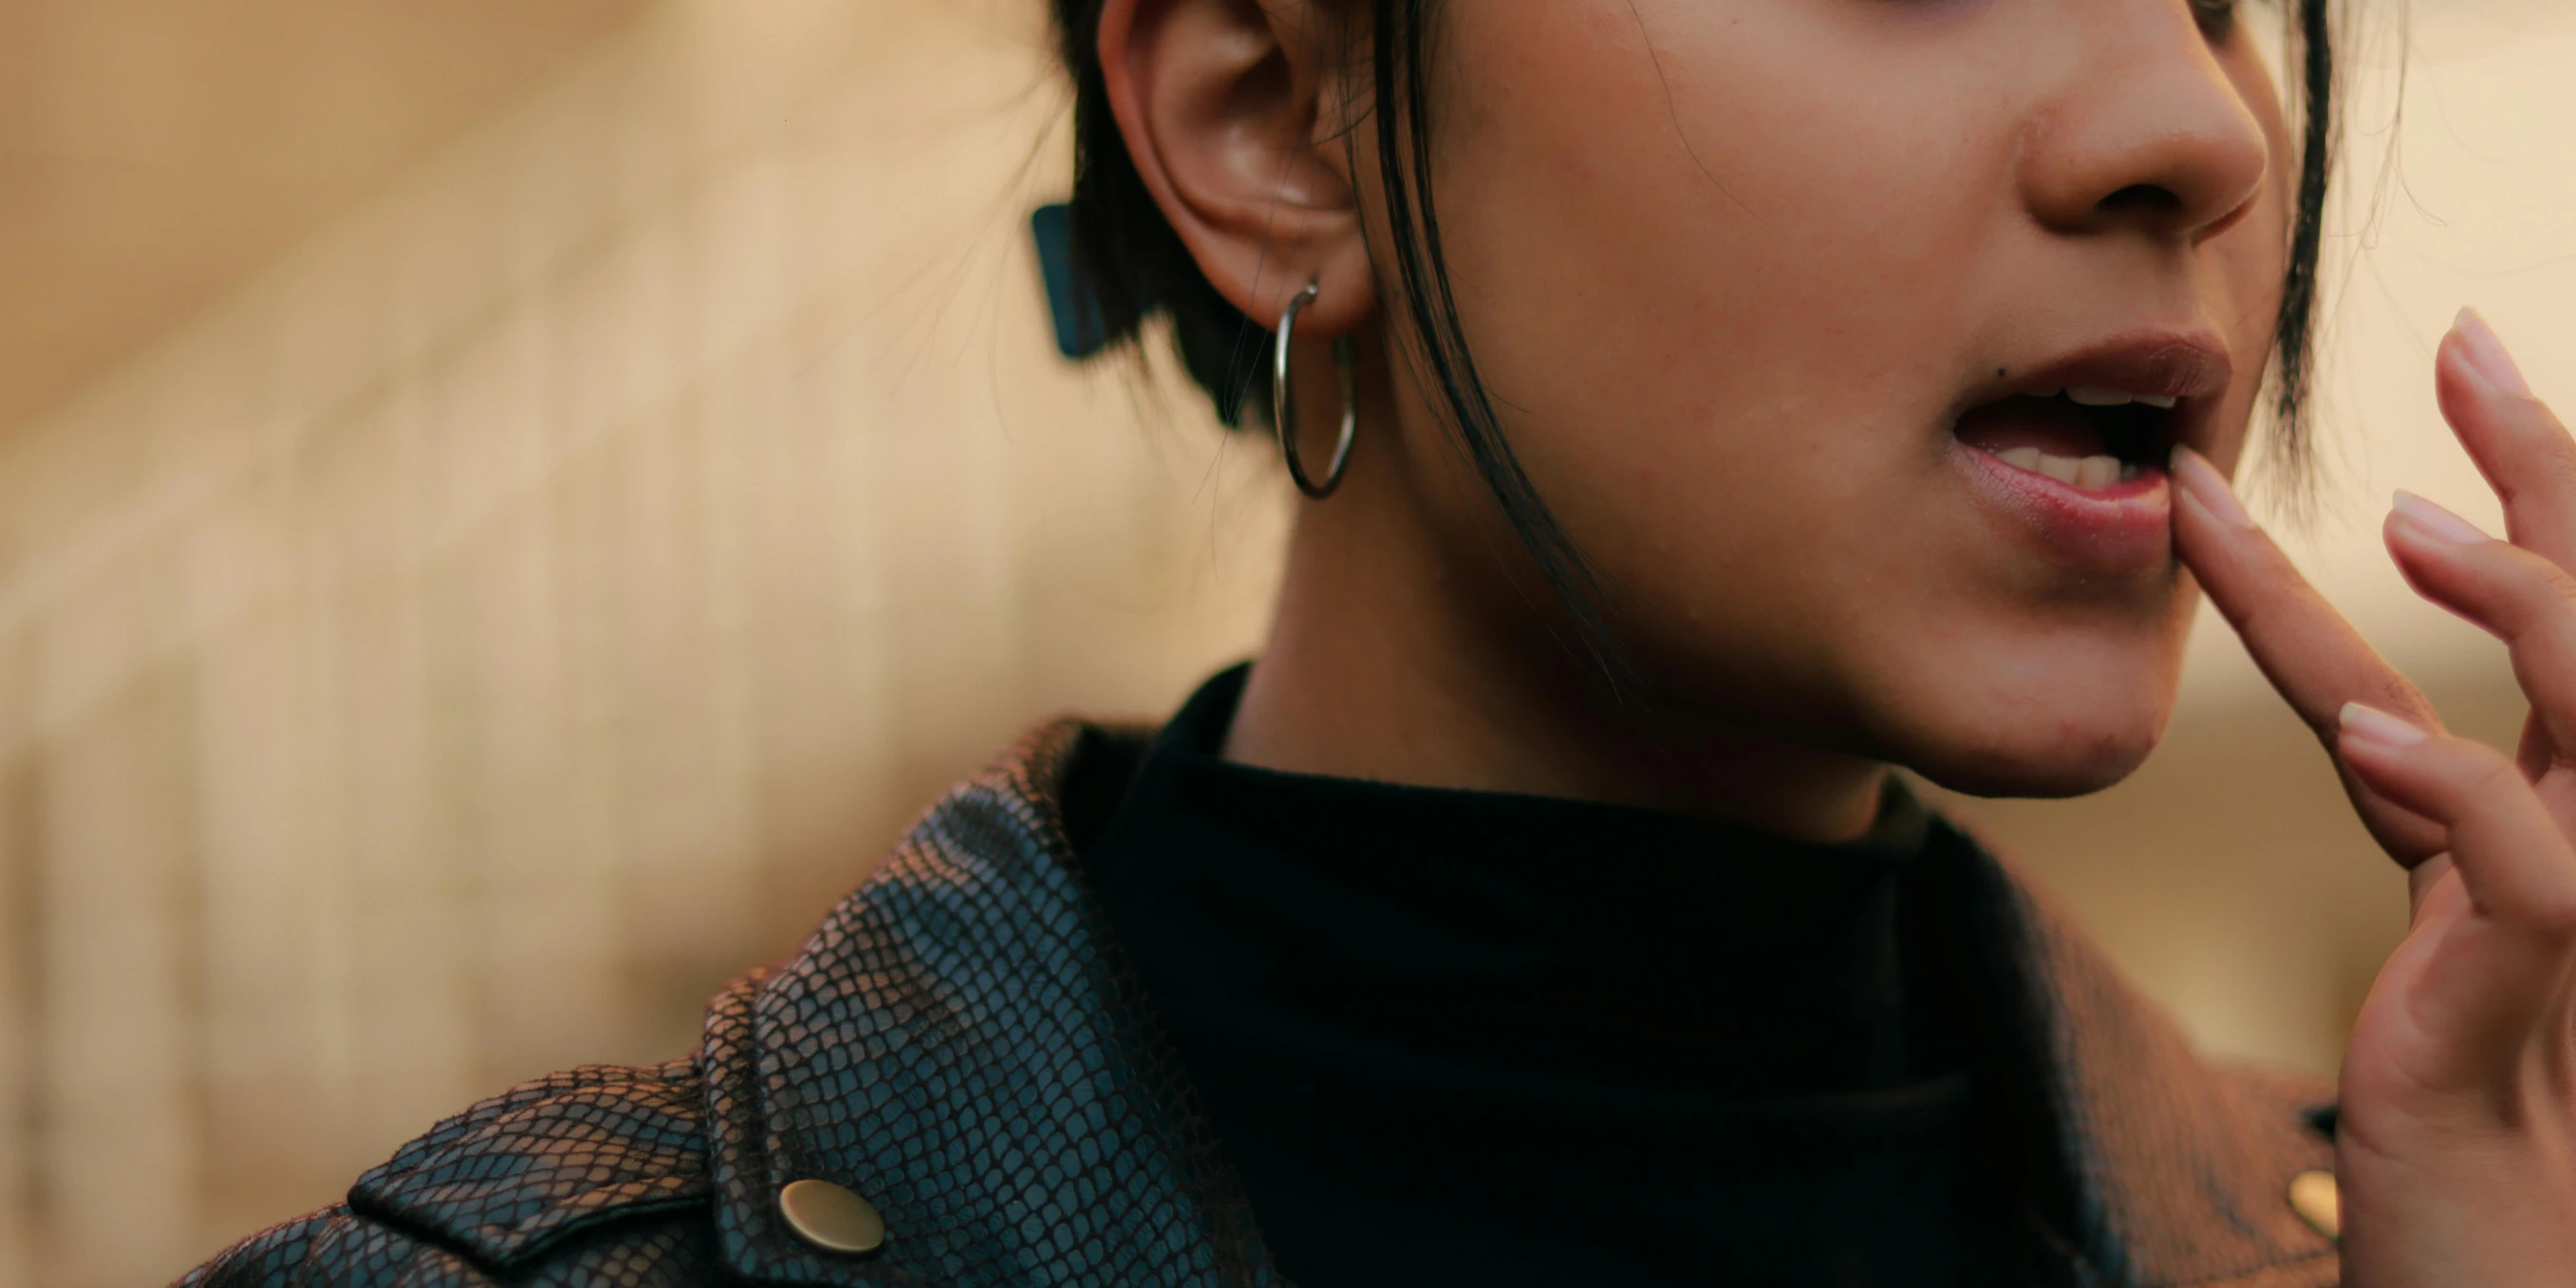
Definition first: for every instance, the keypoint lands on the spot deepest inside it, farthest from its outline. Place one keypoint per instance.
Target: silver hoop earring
(1283, 399)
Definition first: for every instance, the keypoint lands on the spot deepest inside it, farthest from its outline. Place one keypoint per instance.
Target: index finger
(2306, 649)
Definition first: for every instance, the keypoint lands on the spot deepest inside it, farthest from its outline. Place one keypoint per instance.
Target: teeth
(2097, 396)
(2087, 472)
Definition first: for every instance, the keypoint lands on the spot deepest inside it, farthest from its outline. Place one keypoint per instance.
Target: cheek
(1697, 256)
(1725, 303)
(1700, 278)
(2249, 261)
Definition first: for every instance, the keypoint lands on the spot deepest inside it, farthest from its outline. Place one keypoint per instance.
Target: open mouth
(2090, 438)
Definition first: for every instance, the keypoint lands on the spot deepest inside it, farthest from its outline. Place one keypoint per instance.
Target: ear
(1219, 102)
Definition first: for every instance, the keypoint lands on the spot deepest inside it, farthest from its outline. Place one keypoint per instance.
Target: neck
(1389, 661)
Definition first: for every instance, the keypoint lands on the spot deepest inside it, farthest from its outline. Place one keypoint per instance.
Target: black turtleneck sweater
(1452, 1037)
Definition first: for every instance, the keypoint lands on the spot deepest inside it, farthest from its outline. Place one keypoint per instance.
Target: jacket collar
(2171, 1171)
(961, 1044)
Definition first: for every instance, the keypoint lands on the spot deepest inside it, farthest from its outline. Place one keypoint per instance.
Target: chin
(2051, 742)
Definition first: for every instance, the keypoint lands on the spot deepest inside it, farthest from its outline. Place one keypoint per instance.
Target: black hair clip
(1079, 329)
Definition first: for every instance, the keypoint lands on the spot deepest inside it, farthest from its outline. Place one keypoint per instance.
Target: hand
(2455, 1148)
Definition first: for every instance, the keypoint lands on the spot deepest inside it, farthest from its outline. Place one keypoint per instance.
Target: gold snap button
(2314, 1196)
(830, 1217)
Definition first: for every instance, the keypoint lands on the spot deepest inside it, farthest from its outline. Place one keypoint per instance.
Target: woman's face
(1776, 298)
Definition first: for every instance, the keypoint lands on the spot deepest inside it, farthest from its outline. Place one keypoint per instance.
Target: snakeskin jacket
(961, 1045)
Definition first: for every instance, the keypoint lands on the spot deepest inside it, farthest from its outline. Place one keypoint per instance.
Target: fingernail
(2372, 725)
(2486, 354)
(2206, 485)
(2438, 523)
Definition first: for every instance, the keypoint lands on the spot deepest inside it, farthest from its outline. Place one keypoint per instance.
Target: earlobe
(1219, 103)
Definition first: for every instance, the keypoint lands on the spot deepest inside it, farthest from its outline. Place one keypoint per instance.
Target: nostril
(2142, 198)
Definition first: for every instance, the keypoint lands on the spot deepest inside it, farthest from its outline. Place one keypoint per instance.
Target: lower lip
(2122, 530)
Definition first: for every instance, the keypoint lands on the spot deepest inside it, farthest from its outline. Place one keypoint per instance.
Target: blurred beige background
(506, 507)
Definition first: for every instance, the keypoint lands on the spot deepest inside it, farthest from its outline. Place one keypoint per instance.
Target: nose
(2147, 132)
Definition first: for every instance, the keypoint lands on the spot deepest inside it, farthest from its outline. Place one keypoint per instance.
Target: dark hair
(1131, 263)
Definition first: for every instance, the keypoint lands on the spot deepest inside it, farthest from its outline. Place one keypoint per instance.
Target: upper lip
(2193, 367)
(2177, 364)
